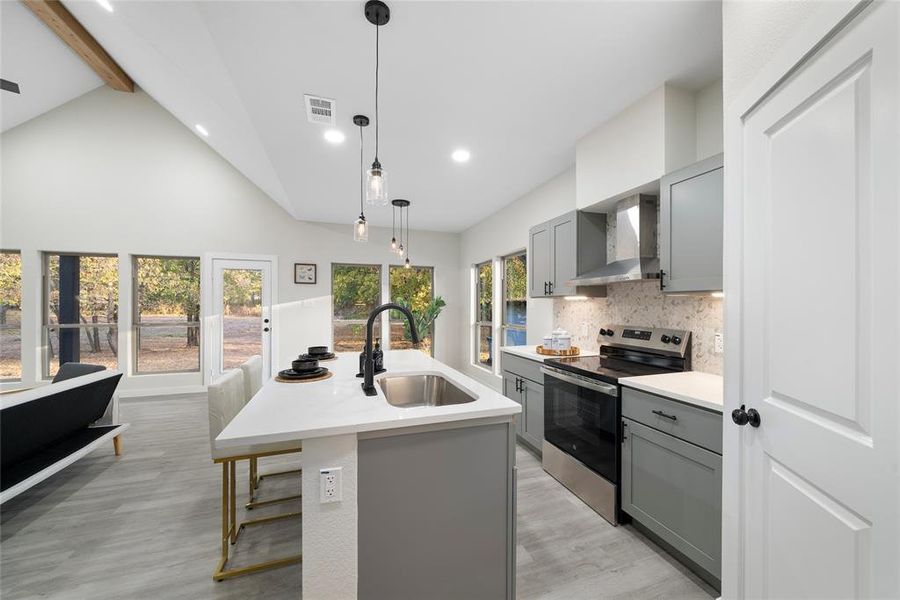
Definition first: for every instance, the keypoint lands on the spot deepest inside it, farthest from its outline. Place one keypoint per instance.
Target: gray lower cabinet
(691, 221)
(511, 391)
(674, 489)
(520, 385)
(533, 405)
(437, 512)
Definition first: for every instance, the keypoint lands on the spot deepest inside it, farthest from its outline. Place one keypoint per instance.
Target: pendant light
(394, 228)
(361, 226)
(397, 247)
(407, 265)
(378, 14)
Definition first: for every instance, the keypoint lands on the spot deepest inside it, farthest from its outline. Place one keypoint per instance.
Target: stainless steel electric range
(583, 408)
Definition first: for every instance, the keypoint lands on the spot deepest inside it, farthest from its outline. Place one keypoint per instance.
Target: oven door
(581, 419)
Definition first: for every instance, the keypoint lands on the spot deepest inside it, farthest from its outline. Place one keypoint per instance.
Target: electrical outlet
(719, 344)
(330, 485)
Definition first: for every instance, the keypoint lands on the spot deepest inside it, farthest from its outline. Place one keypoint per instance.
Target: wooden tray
(573, 351)
(321, 377)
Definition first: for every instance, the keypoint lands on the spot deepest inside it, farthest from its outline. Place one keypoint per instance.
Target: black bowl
(315, 350)
(305, 365)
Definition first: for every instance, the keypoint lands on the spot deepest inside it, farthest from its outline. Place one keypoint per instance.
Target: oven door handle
(599, 386)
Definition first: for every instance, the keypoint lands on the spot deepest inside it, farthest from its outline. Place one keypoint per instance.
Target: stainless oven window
(583, 423)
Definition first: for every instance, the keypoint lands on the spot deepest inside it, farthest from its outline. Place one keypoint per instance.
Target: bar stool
(252, 370)
(225, 400)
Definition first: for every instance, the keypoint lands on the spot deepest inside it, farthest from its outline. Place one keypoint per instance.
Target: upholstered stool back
(253, 376)
(225, 397)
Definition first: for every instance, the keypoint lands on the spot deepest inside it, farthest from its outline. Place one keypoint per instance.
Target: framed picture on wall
(304, 273)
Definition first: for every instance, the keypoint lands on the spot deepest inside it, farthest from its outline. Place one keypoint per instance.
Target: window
(10, 315)
(355, 291)
(166, 314)
(81, 310)
(414, 288)
(484, 313)
(515, 294)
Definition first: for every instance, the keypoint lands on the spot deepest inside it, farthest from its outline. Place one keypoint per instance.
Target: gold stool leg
(231, 529)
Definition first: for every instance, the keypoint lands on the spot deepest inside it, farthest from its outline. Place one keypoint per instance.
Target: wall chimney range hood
(635, 239)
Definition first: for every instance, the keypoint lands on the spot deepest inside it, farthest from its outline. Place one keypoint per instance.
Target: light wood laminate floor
(146, 525)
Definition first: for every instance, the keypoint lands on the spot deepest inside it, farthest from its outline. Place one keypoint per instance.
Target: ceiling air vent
(319, 110)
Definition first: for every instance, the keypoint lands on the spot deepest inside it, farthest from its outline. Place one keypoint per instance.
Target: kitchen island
(425, 505)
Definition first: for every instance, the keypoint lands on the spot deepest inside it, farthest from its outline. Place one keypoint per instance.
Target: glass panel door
(242, 302)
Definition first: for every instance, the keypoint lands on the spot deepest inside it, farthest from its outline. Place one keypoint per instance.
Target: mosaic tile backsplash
(642, 303)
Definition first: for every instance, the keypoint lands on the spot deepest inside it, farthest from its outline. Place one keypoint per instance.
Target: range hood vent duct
(635, 256)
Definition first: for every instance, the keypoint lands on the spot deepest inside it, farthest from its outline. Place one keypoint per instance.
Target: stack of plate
(307, 365)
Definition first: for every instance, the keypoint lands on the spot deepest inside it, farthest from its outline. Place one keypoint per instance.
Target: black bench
(44, 430)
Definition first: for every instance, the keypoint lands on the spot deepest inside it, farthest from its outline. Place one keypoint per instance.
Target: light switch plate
(719, 346)
(330, 485)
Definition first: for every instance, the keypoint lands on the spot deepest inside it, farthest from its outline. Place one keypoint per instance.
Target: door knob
(742, 417)
(265, 329)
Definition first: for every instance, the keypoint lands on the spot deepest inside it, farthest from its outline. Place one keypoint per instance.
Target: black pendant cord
(361, 178)
(377, 62)
(393, 223)
(407, 233)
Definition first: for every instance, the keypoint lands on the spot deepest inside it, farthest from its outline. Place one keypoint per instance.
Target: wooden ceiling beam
(58, 18)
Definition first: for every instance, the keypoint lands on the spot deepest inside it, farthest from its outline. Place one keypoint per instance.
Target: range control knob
(610, 332)
(676, 340)
(602, 332)
(665, 339)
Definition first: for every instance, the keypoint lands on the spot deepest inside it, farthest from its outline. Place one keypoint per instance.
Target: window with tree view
(414, 289)
(167, 314)
(81, 310)
(10, 316)
(514, 299)
(355, 291)
(484, 313)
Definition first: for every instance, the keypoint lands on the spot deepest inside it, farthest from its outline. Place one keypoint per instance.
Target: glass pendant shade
(407, 265)
(376, 186)
(361, 230)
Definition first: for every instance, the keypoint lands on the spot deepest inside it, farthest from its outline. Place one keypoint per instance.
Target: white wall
(751, 34)
(502, 233)
(709, 121)
(115, 173)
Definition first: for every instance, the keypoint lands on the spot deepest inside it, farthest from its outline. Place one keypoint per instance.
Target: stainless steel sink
(408, 391)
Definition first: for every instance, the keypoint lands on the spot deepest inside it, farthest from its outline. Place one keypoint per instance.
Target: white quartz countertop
(693, 387)
(282, 412)
(530, 352)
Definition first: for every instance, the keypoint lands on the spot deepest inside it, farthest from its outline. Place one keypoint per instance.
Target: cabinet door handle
(660, 413)
(662, 282)
(545, 288)
(551, 288)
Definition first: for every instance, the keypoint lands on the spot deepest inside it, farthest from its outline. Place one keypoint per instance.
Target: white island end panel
(330, 541)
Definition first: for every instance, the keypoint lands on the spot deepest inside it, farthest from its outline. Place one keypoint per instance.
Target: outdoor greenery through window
(355, 291)
(242, 314)
(10, 316)
(414, 289)
(484, 313)
(167, 314)
(81, 310)
(514, 299)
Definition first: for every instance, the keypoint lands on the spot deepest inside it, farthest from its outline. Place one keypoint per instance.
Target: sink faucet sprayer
(368, 384)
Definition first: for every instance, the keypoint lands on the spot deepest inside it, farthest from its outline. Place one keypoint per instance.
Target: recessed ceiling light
(105, 4)
(334, 136)
(201, 130)
(461, 155)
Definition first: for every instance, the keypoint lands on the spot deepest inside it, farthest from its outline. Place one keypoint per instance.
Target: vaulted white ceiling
(48, 72)
(516, 83)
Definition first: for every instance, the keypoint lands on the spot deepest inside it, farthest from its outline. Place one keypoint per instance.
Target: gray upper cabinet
(562, 248)
(691, 213)
(539, 253)
(564, 254)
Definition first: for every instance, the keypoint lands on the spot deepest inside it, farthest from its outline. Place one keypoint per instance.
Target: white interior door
(241, 317)
(815, 325)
